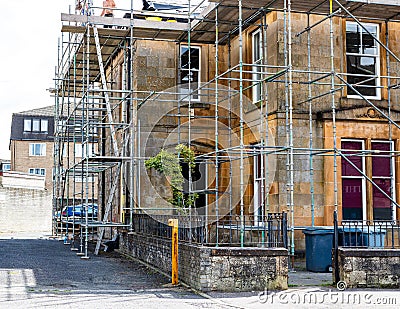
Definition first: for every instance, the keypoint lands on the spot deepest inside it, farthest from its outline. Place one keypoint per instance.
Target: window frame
(365, 189)
(82, 179)
(44, 128)
(185, 94)
(27, 125)
(32, 150)
(80, 151)
(30, 122)
(392, 178)
(33, 170)
(36, 125)
(377, 56)
(363, 179)
(258, 181)
(256, 70)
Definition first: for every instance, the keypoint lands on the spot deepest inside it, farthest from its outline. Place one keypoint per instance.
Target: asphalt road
(45, 273)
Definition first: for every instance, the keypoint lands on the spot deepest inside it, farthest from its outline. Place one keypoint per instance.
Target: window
(35, 125)
(38, 149)
(256, 59)
(382, 176)
(37, 171)
(190, 72)
(354, 183)
(6, 167)
(362, 56)
(43, 125)
(83, 179)
(81, 152)
(258, 188)
(27, 125)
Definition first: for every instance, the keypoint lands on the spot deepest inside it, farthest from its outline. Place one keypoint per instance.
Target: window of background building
(190, 72)
(37, 171)
(354, 183)
(35, 125)
(6, 167)
(362, 56)
(83, 179)
(37, 149)
(80, 150)
(44, 125)
(27, 125)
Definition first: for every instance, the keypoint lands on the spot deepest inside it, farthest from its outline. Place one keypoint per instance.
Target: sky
(29, 33)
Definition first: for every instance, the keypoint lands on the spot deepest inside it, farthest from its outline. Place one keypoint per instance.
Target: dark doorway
(199, 184)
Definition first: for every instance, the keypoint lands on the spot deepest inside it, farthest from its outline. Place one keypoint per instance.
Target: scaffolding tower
(99, 107)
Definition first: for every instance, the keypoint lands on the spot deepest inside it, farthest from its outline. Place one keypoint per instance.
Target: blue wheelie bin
(319, 244)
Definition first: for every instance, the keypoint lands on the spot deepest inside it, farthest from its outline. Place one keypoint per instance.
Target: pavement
(37, 271)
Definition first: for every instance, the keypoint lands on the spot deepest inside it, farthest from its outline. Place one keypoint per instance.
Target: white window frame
(27, 124)
(377, 63)
(81, 179)
(363, 179)
(61, 126)
(44, 125)
(80, 153)
(256, 75)
(37, 171)
(257, 185)
(35, 122)
(32, 150)
(392, 180)
(184, 92)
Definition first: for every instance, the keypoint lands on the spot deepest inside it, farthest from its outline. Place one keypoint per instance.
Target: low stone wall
(214, 269)
(375, 268)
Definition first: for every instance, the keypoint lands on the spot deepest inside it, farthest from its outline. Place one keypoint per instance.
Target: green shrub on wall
(168, 164)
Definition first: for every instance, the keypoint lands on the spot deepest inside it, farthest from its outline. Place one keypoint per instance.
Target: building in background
(32, 150)
(31, 142)
(5, 165)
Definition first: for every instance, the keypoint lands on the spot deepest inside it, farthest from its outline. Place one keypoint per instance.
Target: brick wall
(214, 269)
(25, 210)
(21, 160)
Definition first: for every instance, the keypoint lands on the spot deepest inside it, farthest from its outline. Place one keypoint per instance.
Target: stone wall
(372, 268)
(214, 269)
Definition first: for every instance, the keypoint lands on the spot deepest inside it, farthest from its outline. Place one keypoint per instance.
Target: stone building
(289, 106)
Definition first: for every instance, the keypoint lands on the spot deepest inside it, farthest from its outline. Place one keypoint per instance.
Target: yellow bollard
(174, 245)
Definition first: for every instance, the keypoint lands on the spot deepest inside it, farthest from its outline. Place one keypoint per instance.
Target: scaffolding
(98, 102)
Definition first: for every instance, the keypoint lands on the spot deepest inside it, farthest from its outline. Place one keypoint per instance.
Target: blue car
(79, 211)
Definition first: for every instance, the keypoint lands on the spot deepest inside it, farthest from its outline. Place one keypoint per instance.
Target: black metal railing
(227, 231)
(378, 234)
(367, 233)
